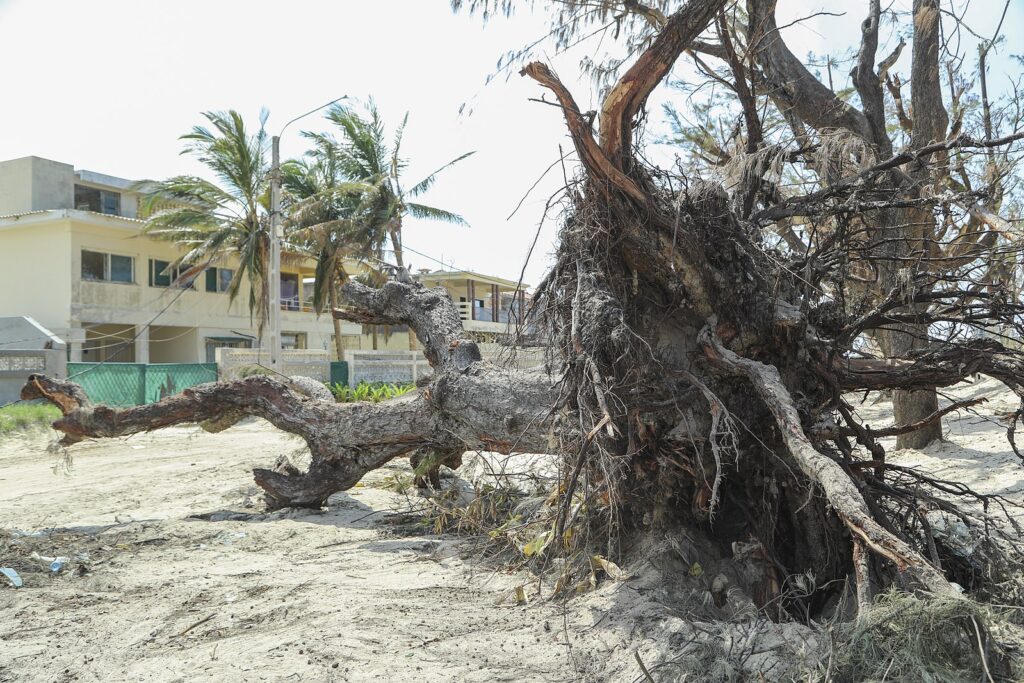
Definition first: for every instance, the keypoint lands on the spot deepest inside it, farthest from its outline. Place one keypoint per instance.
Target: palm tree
(327, 218)
(364, 155)
(213, 220)
(344, 200)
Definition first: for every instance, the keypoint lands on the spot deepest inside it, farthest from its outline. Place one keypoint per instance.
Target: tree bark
(930, 122)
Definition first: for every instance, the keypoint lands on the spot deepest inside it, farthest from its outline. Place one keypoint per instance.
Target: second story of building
(35, 184)
(73, 254)
(72, 251)
(485, 303)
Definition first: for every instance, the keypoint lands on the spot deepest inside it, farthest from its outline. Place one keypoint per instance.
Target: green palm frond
(345, 198)
(213, 220)
(425, 184)
(434, 214)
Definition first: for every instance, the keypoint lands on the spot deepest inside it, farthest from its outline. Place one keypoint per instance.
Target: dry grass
(942, 639)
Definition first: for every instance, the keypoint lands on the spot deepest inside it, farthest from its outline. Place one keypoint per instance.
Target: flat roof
(442, 275)
(11, 220)
(95, 178)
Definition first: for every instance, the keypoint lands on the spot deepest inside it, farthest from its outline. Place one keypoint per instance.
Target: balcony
(482, 319)
(298, 305)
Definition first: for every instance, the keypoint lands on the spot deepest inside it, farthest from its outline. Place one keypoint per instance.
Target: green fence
(339, 373)
(133, 384)
(167, 379)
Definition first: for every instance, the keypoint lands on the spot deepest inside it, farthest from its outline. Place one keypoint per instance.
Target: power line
(138, 331)
(435, 260)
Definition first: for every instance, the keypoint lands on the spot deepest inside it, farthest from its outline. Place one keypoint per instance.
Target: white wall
(35, 273)
(17, 366)
(173, 345)
(35, 184)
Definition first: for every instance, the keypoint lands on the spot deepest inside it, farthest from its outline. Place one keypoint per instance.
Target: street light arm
(311, 111)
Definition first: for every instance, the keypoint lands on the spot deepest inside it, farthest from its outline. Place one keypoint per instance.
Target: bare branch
(429, 312)
(792, 85)
(867, 82)
(630, 93)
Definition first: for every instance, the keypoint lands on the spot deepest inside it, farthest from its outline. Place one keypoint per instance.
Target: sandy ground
(187, 582)
(975, 450)
(177, 576)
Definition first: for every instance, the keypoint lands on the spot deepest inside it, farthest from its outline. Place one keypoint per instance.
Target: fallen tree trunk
(471, 404)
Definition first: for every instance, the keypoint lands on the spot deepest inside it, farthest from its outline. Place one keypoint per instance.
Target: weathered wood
(470, 404)
(630, 93)
(839, 488)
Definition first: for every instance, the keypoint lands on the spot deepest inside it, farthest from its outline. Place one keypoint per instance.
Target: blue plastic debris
(13, 576)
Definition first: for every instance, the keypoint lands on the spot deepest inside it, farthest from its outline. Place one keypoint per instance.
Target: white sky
(109, 85)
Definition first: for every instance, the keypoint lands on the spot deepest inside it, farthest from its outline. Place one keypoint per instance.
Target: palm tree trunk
(395, 233)
(339, 345)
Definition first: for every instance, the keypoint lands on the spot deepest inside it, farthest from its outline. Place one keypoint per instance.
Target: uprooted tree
(702, 376)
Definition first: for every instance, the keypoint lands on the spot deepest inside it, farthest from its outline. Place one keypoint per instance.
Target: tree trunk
(395, 233)
(909, 406)
(339, 343)
(930, 122)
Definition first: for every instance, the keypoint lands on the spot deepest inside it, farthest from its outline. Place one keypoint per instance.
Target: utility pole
(276, 237)
(274, 272)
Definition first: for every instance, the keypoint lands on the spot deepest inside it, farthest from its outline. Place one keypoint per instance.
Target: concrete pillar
(142, 344)
(471, 293)
(75, 340)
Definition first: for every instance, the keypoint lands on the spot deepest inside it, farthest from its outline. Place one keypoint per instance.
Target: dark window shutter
(156, 276)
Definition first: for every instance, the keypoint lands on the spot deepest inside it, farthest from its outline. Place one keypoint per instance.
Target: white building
(73, 257)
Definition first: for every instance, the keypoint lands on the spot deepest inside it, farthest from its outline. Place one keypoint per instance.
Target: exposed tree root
(840, 490)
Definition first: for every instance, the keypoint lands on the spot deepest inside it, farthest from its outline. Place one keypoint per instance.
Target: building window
(289, 291)
(98, 201)
(293, 340)
(107, 267)
(161, 274)
(218, 279)
(94, 265)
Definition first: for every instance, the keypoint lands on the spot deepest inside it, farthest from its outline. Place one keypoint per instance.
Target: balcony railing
(294, 303)
(486, 315)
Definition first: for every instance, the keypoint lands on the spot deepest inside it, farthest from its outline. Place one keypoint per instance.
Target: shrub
(365, 391)
(25, 417)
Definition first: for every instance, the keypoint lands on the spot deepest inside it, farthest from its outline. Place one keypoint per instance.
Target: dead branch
(629, 94)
